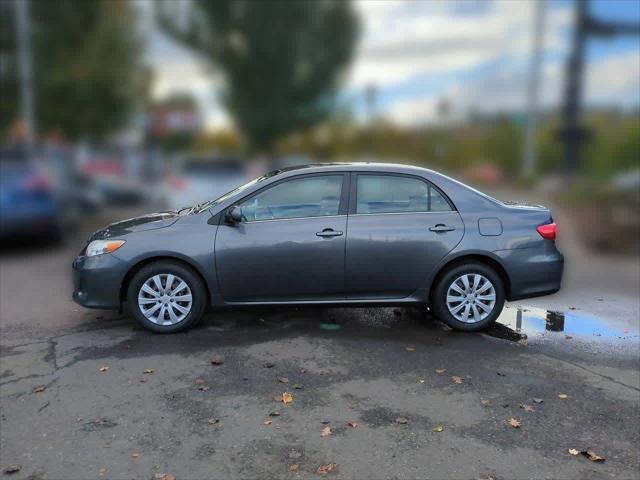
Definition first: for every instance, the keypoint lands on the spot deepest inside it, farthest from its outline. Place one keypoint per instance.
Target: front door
(399, 229)
(290, 244)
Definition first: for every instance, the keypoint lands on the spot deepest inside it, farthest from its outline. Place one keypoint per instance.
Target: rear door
(399, 228)
(290, 245)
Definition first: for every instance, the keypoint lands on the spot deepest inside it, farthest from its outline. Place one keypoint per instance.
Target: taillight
(177, 183)
(548, 231)
(36, 182)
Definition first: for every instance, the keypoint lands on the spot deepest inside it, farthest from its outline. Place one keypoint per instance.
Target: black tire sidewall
(185, 273)
(439, 302)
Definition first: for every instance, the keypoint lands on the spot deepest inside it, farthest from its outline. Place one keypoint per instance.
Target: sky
(473, 54)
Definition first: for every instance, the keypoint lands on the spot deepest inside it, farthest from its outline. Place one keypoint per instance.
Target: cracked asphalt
(64, 418)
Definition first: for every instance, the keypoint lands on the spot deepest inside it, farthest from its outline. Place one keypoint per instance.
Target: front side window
(315, 196)
(396, 194)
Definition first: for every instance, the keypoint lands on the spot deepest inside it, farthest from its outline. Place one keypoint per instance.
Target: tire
(474, 272)
(178, 313)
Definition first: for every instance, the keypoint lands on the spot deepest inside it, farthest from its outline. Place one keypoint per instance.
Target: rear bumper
(533, 272)
(97, 281)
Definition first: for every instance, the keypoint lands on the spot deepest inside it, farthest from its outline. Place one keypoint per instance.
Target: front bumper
(97, 281)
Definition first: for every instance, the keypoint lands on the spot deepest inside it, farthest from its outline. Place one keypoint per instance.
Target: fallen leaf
(212, 420)
(287, 398)
(294, 467)
(135, 455)
(303, 370)
(500, 374)
(591, 455)
(457, 379)
(12, 469)
(485, 402)
(353, 424)
(274, 414)
(148, 370)
(514, 423)
(203, 388)
(326, 431)
(421, 380)
(439, 428)
(573, 451)
(441, 370)
(102, 471)
(410, 349)
(538, 400)
(563, 396)
(402, 420)
(324, 469)
(39, 389)
(104, 368)
(267, 422)
(268, 365)
(217, 360)
(283, 379)
(164, 476)
(297, 386)
(527, 408)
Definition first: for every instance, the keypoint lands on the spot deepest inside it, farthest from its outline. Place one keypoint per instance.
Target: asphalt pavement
(375, 393)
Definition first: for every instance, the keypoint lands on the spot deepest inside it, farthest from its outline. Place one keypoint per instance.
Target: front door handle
(442, 228)
(329, 232)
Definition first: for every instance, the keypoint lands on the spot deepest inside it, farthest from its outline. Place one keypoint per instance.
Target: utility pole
(529, 159)
(25, 72)
(572, 133)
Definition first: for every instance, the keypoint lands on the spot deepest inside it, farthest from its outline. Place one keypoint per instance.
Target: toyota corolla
(334, 234)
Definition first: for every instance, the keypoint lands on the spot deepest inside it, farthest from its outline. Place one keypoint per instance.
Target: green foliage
(86, 66)
(281, 59)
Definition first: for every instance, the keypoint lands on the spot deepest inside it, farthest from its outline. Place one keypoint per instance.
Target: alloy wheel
(165, 299)
(471, 298)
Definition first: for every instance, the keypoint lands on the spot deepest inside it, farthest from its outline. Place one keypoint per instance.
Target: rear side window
(397, 194)
(315, 196)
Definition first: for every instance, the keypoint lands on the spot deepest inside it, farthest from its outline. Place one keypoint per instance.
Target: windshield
(235, 191)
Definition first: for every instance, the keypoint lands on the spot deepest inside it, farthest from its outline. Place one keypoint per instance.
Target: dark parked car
(340, 234)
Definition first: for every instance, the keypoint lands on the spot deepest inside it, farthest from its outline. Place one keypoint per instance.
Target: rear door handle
(442, 228)
(329, 232)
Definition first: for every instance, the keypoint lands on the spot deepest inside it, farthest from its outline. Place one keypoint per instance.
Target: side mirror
(234, 214)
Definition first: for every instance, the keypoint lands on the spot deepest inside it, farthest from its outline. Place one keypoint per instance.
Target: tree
(86, 65)
(280, 60)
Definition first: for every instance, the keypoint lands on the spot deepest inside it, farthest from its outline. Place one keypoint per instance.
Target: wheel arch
(136, 267)
(468, 257)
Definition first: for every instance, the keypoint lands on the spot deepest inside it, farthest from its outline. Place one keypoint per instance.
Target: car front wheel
(166, 297)
(469, 297)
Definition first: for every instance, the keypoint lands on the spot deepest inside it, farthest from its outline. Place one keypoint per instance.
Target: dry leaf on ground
(283, 379)
(591, 455)
(439, 428)
(514, 423)
(148, 370)
(135, 455)
(164, 476)
(39, 389)
(353, 424)
(538, 400)
(324, 469)
(573, 451)
(441, 370)
(212, 420)
(410, 349)
(294, 467)
(563, 396)
(287, 398)
(217, 360)
(12, 469)
(104, 368)
(402, 420)
(203, 388)
(326, 431)
(457, 379)
(527, 408)
(267, 422)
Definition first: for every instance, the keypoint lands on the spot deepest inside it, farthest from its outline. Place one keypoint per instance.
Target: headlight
(98, 247)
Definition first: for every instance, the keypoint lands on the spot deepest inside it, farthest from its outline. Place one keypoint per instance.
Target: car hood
(152, 221)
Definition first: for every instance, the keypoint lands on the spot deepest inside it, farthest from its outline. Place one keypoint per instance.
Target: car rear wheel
(166, 297)
(469, 297)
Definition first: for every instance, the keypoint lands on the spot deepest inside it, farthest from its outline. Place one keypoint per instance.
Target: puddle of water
(523, 322)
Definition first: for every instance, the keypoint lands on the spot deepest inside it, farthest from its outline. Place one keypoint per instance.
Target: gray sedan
(334, 234)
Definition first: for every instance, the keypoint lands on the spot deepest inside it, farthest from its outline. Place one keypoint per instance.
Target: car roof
(352, 166)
